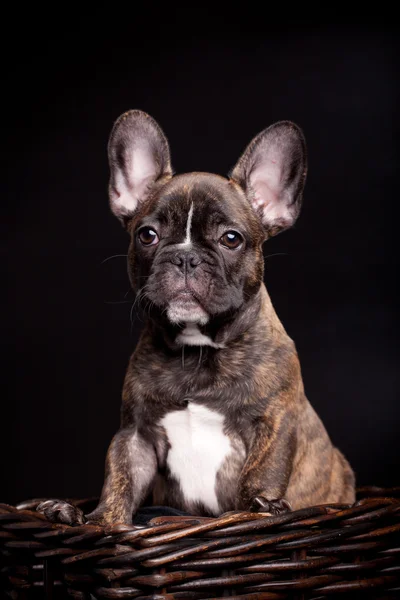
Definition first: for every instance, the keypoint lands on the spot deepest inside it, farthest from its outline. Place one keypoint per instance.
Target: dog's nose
(186, 261)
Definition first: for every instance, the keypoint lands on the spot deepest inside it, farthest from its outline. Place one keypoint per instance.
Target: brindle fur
(253, 378)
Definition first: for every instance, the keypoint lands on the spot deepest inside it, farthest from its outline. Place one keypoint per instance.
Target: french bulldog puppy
(214, 416)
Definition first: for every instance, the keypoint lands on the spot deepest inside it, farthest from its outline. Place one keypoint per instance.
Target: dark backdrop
(66, 332)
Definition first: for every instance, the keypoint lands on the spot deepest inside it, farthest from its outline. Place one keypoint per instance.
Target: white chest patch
(198, 449)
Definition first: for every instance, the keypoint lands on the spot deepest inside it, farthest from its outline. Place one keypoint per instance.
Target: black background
(212, 84)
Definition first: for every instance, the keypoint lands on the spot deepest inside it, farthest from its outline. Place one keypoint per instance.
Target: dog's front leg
(131, 466)
(265, 475)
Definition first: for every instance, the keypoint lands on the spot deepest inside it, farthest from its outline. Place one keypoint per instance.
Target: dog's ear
(138, 155)
(272, 172)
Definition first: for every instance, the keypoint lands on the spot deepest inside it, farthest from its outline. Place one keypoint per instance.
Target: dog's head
(196, 239)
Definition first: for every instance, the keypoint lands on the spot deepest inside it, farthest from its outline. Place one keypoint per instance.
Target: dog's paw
(274, 507)
(58, 511)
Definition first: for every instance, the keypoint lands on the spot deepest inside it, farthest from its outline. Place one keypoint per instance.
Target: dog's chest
(198, 449)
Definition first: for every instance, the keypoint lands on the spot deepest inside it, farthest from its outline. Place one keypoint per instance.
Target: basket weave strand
(319, 552)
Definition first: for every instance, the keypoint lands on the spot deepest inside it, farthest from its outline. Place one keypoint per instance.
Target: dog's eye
(148, 236)
(231, 239)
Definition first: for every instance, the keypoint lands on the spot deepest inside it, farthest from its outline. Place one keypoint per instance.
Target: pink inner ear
(263, 195)
(128, 191)
(266, 183)
(142, 165)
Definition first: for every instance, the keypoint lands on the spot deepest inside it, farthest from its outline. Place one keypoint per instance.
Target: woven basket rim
(322, 550)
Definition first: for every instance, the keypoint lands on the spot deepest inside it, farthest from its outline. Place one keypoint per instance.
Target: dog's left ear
(272, 172)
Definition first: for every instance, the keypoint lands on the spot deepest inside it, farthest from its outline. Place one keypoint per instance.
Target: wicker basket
(319, 552)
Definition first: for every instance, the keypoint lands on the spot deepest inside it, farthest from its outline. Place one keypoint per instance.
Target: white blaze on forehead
(188, 239)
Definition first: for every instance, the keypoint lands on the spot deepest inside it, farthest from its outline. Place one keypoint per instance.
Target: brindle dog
(214, 415)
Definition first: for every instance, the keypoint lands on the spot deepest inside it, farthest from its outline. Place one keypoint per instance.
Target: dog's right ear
(138, 155)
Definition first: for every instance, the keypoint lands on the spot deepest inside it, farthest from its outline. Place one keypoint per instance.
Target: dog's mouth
(185, 308)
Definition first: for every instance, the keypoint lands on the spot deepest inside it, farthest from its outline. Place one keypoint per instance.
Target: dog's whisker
(136, 301)
(200, 357)
(114, 256)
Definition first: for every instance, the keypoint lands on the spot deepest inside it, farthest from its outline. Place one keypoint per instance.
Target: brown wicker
(319, 552)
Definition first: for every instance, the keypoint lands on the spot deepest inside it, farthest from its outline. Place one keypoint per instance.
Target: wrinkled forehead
(208, 199)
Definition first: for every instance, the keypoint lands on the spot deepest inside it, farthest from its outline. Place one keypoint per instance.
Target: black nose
(186, 261)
